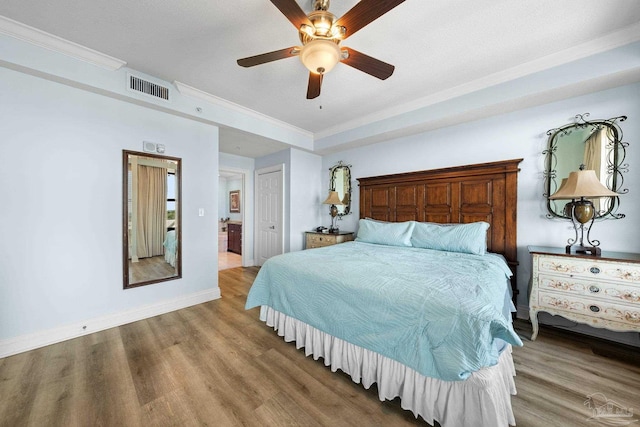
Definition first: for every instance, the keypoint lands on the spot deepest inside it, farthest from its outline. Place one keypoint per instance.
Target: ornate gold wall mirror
(596, 144)
(340, 181)
(152, 228)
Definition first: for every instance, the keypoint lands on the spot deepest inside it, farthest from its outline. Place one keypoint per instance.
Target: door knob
(273, 227)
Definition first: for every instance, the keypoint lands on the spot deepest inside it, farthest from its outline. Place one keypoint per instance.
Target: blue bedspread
(440, 313)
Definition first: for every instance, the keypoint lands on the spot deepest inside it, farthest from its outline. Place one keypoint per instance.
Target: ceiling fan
(321, 33)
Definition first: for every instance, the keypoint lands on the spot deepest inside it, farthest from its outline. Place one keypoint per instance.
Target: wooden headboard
(462, 194)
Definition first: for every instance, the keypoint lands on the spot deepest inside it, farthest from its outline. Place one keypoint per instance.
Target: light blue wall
(61, 250)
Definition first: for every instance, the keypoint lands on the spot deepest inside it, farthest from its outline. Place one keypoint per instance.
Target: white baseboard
(28, 342)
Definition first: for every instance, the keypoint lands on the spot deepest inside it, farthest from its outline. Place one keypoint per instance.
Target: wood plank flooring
(216, 364)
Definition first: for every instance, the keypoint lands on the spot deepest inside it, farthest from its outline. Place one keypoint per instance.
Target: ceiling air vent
(148, 88)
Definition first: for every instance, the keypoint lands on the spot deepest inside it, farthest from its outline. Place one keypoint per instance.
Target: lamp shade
(582, 183)
(320, 56)
(333, 199)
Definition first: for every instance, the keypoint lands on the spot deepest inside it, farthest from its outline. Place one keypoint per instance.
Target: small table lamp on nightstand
(581, 186)
(333, 200)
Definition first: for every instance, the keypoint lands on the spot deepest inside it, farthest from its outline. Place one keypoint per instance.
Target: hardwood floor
(227, 260)
(216, 364)
(149, 269)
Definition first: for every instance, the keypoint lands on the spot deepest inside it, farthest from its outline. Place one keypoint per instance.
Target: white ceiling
(436, 46)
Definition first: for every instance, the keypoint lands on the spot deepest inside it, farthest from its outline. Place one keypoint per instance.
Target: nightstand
(315, 239)
(601, 291)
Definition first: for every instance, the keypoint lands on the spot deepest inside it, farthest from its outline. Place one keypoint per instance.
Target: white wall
(61, 223)
(520, 134)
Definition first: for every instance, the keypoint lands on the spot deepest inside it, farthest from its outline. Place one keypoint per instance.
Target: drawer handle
(594, 270)
(594, 289)
(594, 308)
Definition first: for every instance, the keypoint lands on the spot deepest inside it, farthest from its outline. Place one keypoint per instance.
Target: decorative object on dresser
(316, 239)
(603, 291)
(333, 200)
(234, 242)
(599, 146)
(580, 187)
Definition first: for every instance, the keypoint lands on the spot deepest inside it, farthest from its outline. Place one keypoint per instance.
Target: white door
(269, 213)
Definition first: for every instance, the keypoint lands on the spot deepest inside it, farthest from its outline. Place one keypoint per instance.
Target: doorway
(231, 214)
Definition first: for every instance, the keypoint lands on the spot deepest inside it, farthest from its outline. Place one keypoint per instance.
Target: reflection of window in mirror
(340, 181)
(596, 144)
(151, 229)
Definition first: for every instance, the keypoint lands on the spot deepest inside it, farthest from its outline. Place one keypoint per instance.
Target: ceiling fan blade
(365, 12)
(368, 64)
(293, 12)
(315, 81)
(268, 57)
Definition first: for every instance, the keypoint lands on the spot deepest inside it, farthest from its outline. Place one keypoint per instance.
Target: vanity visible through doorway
(229, 244)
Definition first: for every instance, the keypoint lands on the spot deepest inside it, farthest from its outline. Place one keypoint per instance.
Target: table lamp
(333, 200)
(580, 186)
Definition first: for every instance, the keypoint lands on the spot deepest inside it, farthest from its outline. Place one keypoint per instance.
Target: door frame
(243, 208)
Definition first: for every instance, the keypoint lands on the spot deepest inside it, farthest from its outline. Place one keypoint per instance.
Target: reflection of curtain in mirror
(594, 156)
(152, 211)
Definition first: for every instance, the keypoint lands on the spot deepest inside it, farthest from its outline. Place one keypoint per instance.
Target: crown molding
(625, 36)
(57, 44)
(228, 105)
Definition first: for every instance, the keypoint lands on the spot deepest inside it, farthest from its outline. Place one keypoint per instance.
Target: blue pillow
(385, 233)
(466, 238)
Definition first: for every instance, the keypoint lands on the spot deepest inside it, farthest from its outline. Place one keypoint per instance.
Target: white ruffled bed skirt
(484, 399)
(170, 258)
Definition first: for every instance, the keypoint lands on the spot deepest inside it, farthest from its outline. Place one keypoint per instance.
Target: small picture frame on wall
(234, 201)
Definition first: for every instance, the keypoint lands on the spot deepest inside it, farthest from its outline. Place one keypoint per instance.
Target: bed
(428, 322)
(170, 248)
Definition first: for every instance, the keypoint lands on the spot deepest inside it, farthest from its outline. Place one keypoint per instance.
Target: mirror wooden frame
(176, 257)
(613, 162)
(345, 192)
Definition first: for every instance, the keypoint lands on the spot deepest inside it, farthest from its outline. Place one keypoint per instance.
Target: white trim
(57, 44)
(228, 105)
(28, 342)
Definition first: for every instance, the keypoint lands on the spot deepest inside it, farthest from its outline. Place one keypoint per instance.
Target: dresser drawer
(599, 310)
(590, 268)
(610, 291)
(320, 240)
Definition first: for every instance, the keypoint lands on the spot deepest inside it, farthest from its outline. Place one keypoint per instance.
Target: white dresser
(602, 291)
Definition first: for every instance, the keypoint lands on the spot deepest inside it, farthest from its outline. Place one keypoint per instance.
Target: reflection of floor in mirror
(229, 260)
(151, 268)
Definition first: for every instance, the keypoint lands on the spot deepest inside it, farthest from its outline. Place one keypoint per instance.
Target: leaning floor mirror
(151, 225)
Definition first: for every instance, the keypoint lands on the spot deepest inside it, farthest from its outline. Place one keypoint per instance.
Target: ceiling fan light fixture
(320, 56)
